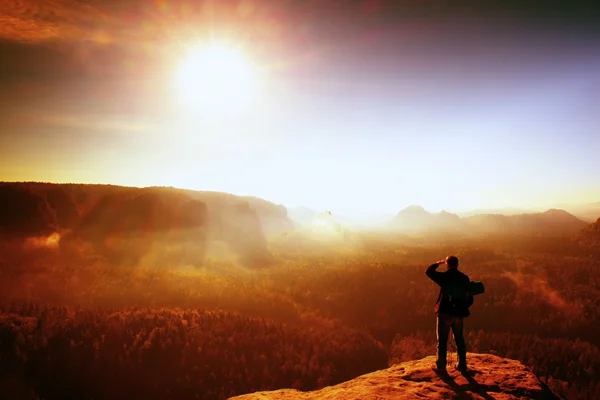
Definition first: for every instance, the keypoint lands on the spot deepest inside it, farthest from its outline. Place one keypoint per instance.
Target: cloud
(303, 38)
(119, 36)
(36, 21)
(79, 120)
(98, 122)
(122, 22)
(126, 22)
(118, 21)
(136, 37)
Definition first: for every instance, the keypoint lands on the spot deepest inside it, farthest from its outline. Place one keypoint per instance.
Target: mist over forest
(109, 291)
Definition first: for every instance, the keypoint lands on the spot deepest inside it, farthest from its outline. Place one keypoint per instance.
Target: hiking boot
(461, 367)
(441, 370)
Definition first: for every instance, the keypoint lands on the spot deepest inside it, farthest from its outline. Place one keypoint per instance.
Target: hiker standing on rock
(451, 308)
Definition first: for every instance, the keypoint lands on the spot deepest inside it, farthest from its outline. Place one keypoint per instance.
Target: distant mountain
(589, 212)
(416, 219)
(448, 220)
(551, 222)
(412, 217)
(590, 235)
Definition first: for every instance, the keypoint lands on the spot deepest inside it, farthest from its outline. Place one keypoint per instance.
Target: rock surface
(489, 377)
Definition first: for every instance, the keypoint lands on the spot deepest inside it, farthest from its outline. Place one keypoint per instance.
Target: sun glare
(216, 79)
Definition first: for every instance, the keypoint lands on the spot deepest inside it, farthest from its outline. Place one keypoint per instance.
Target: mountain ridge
(70, 202)
(549, 222)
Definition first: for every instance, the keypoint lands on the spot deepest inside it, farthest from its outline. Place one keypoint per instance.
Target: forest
(82, 318)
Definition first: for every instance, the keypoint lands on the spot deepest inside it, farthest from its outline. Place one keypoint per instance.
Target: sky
(363, 107)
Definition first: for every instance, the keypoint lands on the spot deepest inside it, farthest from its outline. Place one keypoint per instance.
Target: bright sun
(215, 78)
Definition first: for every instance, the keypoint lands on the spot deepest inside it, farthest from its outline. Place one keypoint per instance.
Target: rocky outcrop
(273, 217)
(489, 377)
(142, 211)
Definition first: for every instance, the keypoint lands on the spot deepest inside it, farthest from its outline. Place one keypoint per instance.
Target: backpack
(458, 304)
(476, 287)
(456, 300)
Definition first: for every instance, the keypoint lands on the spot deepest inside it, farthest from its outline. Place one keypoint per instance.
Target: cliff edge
(489, 377)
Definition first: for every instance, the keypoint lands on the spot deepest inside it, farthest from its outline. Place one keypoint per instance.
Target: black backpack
(476, 287)
(458, 304)
(455, 299)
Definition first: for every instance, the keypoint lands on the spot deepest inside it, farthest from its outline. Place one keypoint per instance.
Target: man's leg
(461, 347)
(443, 330)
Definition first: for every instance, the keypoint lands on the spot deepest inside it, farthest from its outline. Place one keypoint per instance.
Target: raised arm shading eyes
(434, 275)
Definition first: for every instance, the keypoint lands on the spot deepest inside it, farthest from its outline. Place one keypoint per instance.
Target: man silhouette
(451, 308)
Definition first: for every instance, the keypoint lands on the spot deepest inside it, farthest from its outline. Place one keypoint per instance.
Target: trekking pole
(448, 352)
(451, 340)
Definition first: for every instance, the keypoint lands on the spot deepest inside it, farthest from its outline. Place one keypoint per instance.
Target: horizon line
(520, 209)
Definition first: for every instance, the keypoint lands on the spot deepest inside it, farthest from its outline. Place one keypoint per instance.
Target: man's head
(452, 262)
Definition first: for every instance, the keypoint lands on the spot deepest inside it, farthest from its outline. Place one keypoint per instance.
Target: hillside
(590, 235)
(141, 211)
(23, 213)
(490, 377)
